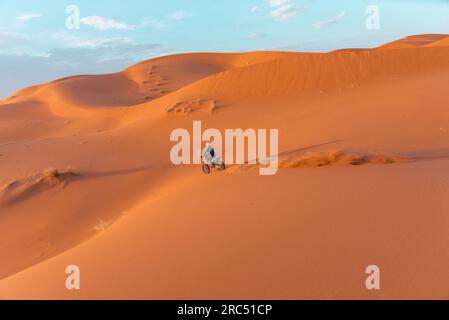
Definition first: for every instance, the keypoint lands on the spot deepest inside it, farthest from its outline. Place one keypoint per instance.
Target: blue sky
(36, 45)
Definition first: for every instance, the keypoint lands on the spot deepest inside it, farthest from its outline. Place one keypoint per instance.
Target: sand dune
(319, 72)
(364, 152)
(423, 40)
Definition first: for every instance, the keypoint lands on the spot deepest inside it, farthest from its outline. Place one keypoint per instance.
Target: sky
(43, 40)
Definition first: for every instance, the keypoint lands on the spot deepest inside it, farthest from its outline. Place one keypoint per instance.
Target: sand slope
(422, 40)
(85, 178)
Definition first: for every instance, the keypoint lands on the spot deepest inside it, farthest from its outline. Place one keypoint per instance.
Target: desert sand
(86, 179)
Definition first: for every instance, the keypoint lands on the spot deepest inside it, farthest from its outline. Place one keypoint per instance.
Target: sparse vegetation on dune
(340, 158)
(333, 158)
(20, 189)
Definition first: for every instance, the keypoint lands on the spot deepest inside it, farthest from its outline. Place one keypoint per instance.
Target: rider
(209, 151)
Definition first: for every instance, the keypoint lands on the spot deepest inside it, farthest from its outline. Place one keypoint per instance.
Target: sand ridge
(316, 159)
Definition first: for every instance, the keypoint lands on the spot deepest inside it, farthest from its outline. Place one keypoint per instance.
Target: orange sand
(85, 179)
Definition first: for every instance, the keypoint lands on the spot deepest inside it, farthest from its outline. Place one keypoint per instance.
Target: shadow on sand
(113, 173)
(426, 155)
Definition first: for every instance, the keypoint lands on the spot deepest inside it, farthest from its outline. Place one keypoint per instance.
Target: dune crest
(174, 78)
(424, 40)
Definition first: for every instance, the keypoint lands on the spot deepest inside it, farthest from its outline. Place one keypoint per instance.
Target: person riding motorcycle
(210, 159)
(208, 151)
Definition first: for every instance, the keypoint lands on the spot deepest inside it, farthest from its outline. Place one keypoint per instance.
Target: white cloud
(28, 16)
(276, 3)
(101, 50)
(91, 43)
(285, 12)
(12, 39)
(102, 23)
(334, 20)
(103, 47)
(257, 35)
(153, 23)
(41, 55)
(255, 8)
(71, 48)
(284, 9)
(179, 15)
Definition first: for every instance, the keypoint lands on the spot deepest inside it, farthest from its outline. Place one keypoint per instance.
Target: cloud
(179, 15)
(257, 35)
(153, 23)
(284, 9)
(275, 3)
(13, 39)
(106, 52)
(285, 12)
(28, 16)
(334, 20)
(102, 23)
(76, 49)
(254, 9)
(85, 51)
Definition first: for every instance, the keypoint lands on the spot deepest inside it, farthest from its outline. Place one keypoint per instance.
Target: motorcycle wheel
(206, 169)
(221, 166)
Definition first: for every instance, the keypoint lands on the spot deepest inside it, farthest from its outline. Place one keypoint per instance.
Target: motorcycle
(209, 162)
